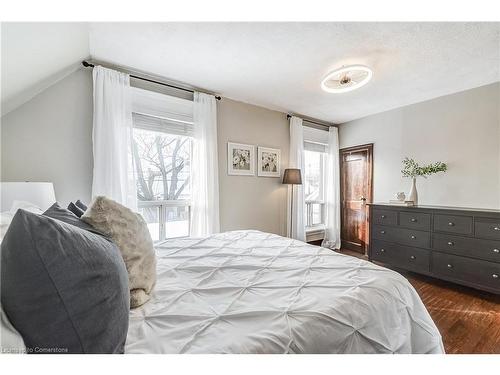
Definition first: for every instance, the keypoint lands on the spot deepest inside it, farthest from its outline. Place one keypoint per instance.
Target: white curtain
(204, 168)
(297, 229)
(332, 192)
(112, 138)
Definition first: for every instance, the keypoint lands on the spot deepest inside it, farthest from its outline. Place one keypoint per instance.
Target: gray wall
(248, 202)
(461, 129)
(49, 138)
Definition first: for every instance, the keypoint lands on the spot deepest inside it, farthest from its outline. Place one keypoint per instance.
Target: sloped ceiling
(275, 65)
(36, 55)
(280, 65)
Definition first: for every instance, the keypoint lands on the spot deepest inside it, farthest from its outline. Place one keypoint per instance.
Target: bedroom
(301, 187)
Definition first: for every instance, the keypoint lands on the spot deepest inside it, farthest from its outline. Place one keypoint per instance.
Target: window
(162, 145)
(314, 182)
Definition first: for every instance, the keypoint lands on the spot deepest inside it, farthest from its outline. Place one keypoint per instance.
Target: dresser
(460, 245)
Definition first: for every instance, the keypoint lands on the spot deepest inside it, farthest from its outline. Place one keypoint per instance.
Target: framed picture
(269, 162)
(240, 159)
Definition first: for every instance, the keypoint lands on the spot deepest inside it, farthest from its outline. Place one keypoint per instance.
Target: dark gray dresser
(461, 245)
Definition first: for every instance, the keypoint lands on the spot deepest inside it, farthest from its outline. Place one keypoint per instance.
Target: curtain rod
(89, 65)
(288, 116)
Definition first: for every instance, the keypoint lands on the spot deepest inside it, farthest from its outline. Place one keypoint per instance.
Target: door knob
(363, 198)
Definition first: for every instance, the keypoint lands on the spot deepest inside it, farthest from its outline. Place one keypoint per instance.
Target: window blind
(163, 125)
(315, 146)
(161, 113)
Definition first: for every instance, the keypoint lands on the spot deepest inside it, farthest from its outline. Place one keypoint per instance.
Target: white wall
(462, 130)
(252, 202)
(49, 138)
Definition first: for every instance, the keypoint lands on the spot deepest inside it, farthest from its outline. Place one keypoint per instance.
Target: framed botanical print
(269, 162)
(240, 159)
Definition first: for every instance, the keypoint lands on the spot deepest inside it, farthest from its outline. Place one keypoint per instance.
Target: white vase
(413, 192)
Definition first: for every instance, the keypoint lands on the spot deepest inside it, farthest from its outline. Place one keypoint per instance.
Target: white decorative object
(413, 192)
(332, 192)
(240, 159)
(40, 194)
(400, 196)
(268, 162)
(401, 203)
(204, 168)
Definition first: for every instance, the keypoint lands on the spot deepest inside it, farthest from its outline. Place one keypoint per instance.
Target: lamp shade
(40, 194)
(292, 176)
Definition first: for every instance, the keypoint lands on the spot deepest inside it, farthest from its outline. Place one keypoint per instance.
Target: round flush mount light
(346, 79)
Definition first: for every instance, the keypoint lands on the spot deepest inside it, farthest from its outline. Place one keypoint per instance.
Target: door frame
(369, 198)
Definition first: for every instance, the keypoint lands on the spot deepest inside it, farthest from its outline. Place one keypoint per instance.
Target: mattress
(255, 292)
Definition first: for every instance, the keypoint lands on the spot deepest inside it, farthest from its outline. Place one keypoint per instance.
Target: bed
(255, 292)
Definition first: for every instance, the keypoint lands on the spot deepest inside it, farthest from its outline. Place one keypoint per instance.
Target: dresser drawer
(384, 217)
(487, 228)
(467, 246)
(453, 224)
(477, 272)
(415, 220)
(402, 236)
(406, 257)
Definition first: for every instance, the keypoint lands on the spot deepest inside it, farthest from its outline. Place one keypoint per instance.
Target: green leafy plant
(412, 169)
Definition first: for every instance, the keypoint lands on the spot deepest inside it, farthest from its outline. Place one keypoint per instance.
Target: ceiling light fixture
(346, 79)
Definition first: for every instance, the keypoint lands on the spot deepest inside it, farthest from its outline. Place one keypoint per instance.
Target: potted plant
(412, 169)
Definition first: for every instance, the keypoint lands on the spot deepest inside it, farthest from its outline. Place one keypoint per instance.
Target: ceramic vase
(413, 192)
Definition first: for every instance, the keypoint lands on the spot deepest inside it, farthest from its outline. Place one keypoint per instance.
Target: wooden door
(355, 191)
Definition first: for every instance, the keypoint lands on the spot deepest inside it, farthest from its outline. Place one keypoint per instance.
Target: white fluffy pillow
(130, 233)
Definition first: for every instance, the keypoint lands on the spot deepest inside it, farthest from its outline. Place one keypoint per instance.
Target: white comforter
(254, 292)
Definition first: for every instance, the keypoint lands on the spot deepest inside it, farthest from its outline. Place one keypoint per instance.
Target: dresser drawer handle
(449, 266)
(413, 257)
(382, 250)
(413, 237)
(451, 224)
(413, 220)
(382, 232)
(451, 243)
(496, 251)
(495, 276)
(496, 228)
(383, 216)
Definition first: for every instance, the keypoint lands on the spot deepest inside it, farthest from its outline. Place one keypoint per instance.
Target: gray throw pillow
(57, 212)
(64, 289)
(75, 209)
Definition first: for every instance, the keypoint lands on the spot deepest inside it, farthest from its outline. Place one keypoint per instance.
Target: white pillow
(10, 340)
(27, 206)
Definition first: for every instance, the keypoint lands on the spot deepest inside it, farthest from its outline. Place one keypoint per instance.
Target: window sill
(315, 233)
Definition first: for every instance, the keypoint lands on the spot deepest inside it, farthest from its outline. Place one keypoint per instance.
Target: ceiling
(281, 65)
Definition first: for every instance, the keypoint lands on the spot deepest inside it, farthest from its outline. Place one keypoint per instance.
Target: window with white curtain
(314, 182)
(315, 160)
(162, 148)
